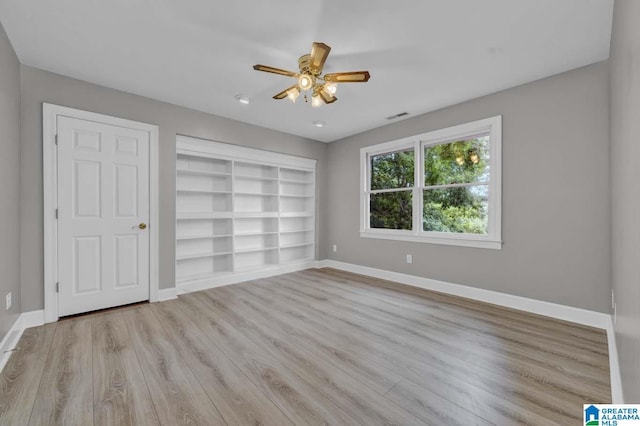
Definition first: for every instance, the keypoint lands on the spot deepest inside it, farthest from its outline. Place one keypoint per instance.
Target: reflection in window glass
(464, 161)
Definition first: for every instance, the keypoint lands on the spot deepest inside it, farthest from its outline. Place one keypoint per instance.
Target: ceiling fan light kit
(293, 94)
(331, 88)
(323, 87)
(316, 100)
(306, 82)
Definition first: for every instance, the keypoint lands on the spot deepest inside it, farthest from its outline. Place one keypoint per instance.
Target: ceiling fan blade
(273, 70)
(348, 77)
(328, 98)
(283, 94)
(319, 54)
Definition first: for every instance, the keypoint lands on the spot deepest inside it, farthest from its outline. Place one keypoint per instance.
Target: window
(441, 187)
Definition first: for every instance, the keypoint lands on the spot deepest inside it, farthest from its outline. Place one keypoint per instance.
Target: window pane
(465, 161)
(392, 170)
(391, 210)
(460, 210)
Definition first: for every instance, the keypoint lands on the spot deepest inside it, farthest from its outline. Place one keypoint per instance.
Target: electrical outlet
(409, 258)
(8, 300)
(335, 248)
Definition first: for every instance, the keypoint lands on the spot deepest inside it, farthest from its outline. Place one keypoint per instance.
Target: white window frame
(493, 238)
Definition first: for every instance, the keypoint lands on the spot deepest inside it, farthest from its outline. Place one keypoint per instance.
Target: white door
(103, 209)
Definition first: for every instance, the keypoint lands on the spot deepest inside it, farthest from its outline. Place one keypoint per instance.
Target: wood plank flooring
(315, 347)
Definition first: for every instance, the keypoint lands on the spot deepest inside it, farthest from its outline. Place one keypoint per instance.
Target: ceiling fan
(310, 78)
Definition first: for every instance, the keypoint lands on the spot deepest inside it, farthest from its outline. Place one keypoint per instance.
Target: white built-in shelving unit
(240, 210)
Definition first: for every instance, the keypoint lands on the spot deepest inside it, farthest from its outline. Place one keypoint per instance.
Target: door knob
(142, 226)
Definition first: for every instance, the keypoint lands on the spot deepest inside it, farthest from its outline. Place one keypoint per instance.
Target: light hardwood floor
(313, 347)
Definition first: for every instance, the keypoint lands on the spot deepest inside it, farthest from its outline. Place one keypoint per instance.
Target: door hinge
(56, 213)
(56, 139)
(58, 287)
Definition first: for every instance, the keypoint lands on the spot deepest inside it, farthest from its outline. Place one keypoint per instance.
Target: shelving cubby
(240, 210)
(204, 236)
(297, 204)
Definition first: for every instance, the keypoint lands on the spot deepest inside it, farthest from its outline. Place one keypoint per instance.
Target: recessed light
(318, 123)
(243, 99)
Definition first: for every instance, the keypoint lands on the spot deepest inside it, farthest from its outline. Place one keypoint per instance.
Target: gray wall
(40, 86)
(555, 184)
(625, 189)
(9, 182)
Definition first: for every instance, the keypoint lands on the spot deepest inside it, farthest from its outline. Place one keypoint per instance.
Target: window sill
(485, 244)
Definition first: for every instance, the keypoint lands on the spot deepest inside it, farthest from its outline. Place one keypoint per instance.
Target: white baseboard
(167, 294)
(32, 319)
(553, 310)
(235, 278)
(617, 396)
(10, 340)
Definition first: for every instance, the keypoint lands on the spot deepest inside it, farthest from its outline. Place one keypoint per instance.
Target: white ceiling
(422, 54)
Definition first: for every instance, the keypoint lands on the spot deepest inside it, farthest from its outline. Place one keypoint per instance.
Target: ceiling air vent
(393, 117)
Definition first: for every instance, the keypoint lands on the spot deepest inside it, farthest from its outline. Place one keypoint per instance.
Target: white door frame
(50, 114)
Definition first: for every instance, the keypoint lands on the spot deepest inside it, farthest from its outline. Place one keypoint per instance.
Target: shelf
(253, 250)
(246, 234)
(189, 229)
(200, 202)
(295, 175)
(202, 191)
(253, 194)
(201, 237)
(201, 173)
(295, 231)
(197, 277)
(252, 268)
(296, 245)
(296, 254)
(295, 196)
(303, 182)
(251, 215)
(256, 226)
(296, 214)
(236, 176)
(187, 183)
(192, 162)
(196, 216)
(198, 256)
